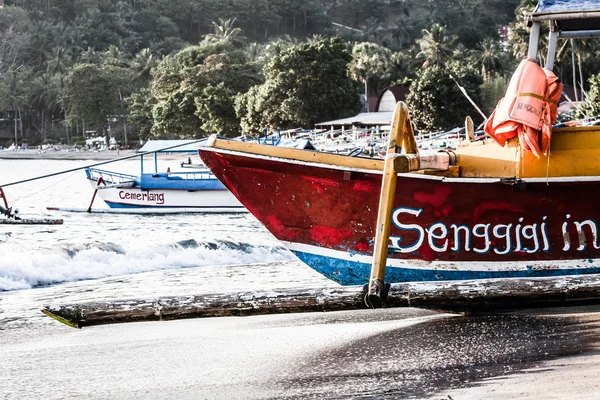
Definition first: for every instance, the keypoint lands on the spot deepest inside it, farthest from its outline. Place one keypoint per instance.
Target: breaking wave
(24, 269)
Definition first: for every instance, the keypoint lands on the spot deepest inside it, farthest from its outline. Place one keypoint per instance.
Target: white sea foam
(23, 268)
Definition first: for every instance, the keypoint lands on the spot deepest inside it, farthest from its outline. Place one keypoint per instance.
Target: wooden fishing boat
(480, 211)
(187, 191)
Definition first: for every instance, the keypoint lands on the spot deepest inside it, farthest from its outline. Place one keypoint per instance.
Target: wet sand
(370, 354)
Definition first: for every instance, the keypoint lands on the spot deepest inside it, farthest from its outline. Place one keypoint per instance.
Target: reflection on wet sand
(428, 358)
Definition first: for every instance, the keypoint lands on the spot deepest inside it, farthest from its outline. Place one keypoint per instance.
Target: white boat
(190, 191)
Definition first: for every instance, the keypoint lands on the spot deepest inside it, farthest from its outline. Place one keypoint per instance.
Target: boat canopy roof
(574, 18)
(184, 146)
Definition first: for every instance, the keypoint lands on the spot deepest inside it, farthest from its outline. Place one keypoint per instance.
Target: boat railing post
(552, 39)
(377, 292)
(534, 37)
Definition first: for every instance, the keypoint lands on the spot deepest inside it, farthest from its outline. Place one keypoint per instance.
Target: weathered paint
(505, 223)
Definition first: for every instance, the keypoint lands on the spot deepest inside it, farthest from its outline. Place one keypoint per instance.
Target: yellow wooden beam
(376, 292)
(296, 154)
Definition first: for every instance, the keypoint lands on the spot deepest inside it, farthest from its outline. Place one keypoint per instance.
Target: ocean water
(106, 256)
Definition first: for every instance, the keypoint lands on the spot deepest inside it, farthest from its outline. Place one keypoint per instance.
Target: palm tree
(277, 46)
(436, 46)
(255, 52)
(370, 62)
(142, 66)
(373, 31)
(16, 82)
(224, 31)
(90, 56)
(45, 97)
(59, 61)
(489, 58)
(115, 57)
(401, 33)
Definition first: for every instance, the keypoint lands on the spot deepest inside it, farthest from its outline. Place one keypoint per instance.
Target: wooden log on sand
(474, 296)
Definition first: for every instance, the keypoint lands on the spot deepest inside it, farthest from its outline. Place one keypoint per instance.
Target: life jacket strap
(537, 96)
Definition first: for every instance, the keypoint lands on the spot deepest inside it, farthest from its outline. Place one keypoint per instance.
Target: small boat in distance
(197, 190)
(480, 211)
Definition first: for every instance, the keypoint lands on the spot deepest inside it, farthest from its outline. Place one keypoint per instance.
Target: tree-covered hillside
(186, 68)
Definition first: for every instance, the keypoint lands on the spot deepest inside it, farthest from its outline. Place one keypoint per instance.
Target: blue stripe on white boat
(348, 269)
(113, 204)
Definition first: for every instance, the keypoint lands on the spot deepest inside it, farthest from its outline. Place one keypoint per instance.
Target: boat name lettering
(487, 237)
(529, 108)
(157, 198)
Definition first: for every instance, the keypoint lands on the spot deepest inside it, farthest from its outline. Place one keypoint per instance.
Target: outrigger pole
(101, 163)
(401, 135)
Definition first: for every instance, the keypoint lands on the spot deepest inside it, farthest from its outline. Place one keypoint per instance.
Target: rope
(100, 163)
(46, 188)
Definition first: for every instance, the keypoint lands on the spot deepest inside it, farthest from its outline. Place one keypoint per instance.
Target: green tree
(492, 90)
(371, 65)
(45, 92)
(436, 46)
(225, 31)
(142, 66)
(591, 105)
(195, 89)
(90, 95)
(489, 58)
(140, 112)
(14, 87)
(305, 84)
(13, 39)
(435, 100)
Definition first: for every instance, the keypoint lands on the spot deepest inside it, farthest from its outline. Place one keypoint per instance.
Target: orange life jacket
(528, 110)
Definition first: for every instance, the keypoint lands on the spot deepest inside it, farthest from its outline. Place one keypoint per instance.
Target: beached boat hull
(442, 228)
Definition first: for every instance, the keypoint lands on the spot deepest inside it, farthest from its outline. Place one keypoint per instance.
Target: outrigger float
(11, 217)
(477, 229)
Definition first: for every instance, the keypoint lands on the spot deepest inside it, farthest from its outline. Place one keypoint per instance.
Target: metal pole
(552, 39)
(574, 71)
(583, 95)
(534, 37)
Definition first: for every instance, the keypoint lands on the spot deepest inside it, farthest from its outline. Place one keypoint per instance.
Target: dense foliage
(436, 100)
(305, 83)
(186, 68)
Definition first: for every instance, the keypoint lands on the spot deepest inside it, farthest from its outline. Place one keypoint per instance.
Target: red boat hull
(442, 228)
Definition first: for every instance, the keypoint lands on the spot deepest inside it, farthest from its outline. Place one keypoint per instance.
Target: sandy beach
(384, 354)
(64, 154)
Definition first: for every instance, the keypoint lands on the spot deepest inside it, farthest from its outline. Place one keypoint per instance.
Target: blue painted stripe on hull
(124, 205)
(347, 272)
